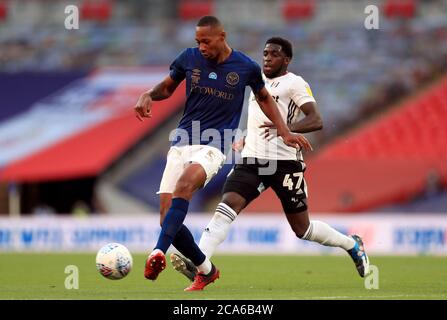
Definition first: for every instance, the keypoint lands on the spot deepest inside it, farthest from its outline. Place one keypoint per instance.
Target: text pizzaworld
(212, 91)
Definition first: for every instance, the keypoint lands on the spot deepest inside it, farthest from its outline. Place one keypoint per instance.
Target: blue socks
(184, 242)
(172, 223)
(173, 231)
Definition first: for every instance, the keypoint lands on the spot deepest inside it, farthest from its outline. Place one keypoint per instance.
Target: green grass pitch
(42, 276)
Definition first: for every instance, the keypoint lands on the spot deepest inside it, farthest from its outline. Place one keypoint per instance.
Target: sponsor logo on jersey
(212, 92)
(212, 75)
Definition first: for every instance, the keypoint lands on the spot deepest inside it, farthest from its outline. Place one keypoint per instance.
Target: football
(114, 261)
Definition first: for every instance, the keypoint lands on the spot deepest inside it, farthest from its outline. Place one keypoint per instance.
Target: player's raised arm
(270, 109)
(161, 91)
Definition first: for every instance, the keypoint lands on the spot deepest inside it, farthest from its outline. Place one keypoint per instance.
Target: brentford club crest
(232, 78)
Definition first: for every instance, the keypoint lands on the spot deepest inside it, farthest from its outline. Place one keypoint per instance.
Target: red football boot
(202, 280)
(155, 263)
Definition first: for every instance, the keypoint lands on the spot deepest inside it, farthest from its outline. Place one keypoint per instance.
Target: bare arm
(311, 122)
(161, 91)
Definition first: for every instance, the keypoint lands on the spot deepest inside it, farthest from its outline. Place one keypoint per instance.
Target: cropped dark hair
(210, 21)
(284, 43)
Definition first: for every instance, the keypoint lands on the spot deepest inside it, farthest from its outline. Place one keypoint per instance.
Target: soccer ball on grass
(114, 261)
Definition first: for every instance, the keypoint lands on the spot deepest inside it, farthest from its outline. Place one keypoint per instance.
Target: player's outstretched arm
(270, 109)
(161, 91)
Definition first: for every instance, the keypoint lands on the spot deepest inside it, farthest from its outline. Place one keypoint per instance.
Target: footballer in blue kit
(215, 93)
(216, 76)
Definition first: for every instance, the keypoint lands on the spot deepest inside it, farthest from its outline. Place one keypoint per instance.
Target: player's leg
(217, 229)
(165, 204)
(242, 186)
(206, 272)
(213, 235)
(290, 186)
(203, 163)
(324, 234)
(183, 241)
(317, 231)
(173, 169)
(192, 178)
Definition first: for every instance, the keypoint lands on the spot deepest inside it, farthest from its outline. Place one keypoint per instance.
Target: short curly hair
(284, 43)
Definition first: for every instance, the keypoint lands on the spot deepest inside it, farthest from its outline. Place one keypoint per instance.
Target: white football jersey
(290, 92)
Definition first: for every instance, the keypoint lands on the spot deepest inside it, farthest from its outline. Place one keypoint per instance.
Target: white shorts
(211, 159)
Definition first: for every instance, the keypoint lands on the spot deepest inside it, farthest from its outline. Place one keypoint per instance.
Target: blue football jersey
(214, 96)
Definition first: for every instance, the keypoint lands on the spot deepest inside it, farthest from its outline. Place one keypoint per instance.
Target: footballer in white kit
(269, 163)
(290, 92)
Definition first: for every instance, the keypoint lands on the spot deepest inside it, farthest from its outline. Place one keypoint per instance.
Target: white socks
(326, 235)
(205, 267)
(217, 229)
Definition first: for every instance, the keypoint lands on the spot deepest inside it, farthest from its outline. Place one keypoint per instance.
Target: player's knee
(234, 201)
(300, 231)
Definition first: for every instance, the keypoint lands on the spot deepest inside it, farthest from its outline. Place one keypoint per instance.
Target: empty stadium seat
(298, 10)
(96, 10)
(3, 11)
(400, 8)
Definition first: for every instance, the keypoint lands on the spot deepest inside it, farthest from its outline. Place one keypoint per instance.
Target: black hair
(284, 43)
(210, 21)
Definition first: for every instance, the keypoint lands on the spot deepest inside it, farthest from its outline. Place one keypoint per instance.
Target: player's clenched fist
(144, 106)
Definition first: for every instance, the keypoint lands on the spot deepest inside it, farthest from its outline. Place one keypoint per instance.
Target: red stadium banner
(298, 10)
(96, 10)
